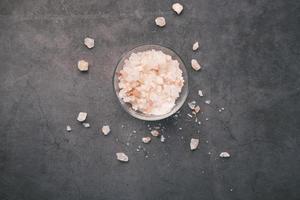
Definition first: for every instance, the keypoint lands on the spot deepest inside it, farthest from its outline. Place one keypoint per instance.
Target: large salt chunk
(146, 140)
(83, 65)
(82, 116)
(160, 21)
(122, 157)
(177, 7)
(105, 130)
(195, 46)
(194, 143)
(89, 42)
(195, 65)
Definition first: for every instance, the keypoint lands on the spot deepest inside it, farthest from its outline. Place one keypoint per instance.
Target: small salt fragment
(231, 189)
(86, 125)
(177, 7)
(69, 128)
(89, 42)
(222, 108)
(105, 129)
(182, 137)
(206, 118)
(122, 157)
(81, 116)
(194, 143)
(195, 46)
(137, 150)
(127, 143)
(196, 119)
(206, 141)
(146, 140)
(207, 101)
(224, 155)
(200, 93)
(199, 123)
(162, 138)
(191, 116)
(192, 104)
(197, 109)
(160, 21)
(180, 128)
(209, 153)
(83, 65)
(195, 65)
(154, 133)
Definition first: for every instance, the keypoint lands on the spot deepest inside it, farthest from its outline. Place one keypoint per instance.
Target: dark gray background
(250, 56)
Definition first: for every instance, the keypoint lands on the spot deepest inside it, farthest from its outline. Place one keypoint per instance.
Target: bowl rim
(153, 117)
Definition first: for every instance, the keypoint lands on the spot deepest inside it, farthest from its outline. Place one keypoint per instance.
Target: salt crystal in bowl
(128, 107)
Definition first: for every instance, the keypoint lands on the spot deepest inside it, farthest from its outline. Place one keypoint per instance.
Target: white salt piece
(177, 7)
(231, 189)
(195, 46)
(200, 93)
(81, 116)
(137, 150)
(160, 21)
(224, 154)
(154, 133)
(197, 109)
(69, 128)
(192, 104)
(180, 128)
(222, 108)
(89, 42)
(195, 65)
(86, 125)
(146, 140)
(105, 129)
(127, 143)
(83, 65)
(207, 101)
(206, 119)
(194, 143)
(191, 116)
(162, 138)
(122, 157)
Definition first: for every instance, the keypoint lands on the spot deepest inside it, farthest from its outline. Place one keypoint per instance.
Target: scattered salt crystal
(162, 138)
(206, 141)
(182, 137)
(81, 116)
(86, 125)
(122, 157)
(146, 140)
(180, 128)
(154, 133)
(209, 153)
(224, 155)
(177, 7)
(197, 109)
(134, 131)
(196, 119)
(195, 46)
(199, 122)
(195, 65)
(207, 101)
(105, 129)
(137, 150)
(89, 42)
(160, 21)
(206, 118)
(194, 143)
(191, 116)
(192, 104)
(222, 108)
(231, 189)
(69, 128)
(83, 65)
(200, 93)
(127, 143)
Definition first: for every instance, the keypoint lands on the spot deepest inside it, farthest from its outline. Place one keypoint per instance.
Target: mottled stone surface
(250, 58)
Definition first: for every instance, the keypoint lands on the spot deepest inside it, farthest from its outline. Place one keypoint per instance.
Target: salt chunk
(86, 125)
(160, 21)
(192, 104)
(208, 101)
(195, 65)
(105, 129)
(82, 116)
(83, 65)
(162, 138)
(154, 133)
(122, 157)
(177, 7)
(224, 154)
(200, 93)
(197, 109)
(89, 42)
(146, 139)
(195, 46)
(194, 143)
(69, 128)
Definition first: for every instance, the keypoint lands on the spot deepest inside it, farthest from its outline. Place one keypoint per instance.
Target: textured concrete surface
(250, 56)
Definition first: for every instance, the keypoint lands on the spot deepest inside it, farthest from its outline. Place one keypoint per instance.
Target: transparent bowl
(179, 101)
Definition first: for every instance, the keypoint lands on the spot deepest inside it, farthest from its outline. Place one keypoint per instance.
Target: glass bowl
(179, 101)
